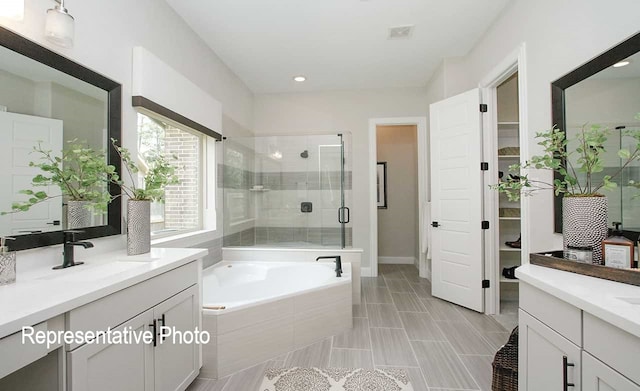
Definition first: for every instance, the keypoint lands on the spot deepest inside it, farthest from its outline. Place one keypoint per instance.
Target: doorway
(420, 208)
(397, 194)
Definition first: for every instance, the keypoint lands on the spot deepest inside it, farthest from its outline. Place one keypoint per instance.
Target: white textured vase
(584, 223)
(138, 227)
(78, 215)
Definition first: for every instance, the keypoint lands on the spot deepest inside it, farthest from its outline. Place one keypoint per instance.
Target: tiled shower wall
(271, 193)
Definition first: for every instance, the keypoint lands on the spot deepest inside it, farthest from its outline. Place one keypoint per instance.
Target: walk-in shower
(287, 191)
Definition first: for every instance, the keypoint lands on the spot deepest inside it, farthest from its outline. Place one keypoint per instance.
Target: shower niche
(287, 191)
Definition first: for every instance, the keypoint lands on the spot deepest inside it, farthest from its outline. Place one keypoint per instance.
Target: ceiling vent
(401, 32)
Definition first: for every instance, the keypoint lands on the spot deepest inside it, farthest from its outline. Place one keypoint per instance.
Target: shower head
(304, 154)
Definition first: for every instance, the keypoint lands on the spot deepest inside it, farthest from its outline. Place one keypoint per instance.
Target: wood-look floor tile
(442, 310)
(399, 286)
(203, 384)
(407, 302)
(481, 369)
(359, 311)
(423, 290)
(390, 272)
(481, 322)
(415, 377)
(199, 384)
(414, 278)
(464, 339)
(420, 326)
(316, 355)
(356, 338)
(351, 358)
(441, 366)
(248, 379)
(377, 295)
(373, 282)
(391, 347)
(383, 315)
(496, 340)
(218, 385)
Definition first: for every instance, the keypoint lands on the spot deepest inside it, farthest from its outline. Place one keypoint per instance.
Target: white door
(546, 360)
(597, 376)
(19, 133)
(456, 200)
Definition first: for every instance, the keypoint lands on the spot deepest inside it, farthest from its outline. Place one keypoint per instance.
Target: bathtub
(256, 311)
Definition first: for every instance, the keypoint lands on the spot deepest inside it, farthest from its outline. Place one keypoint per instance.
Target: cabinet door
(119, 366)
(546, 360)
(176, 357)
(597, 376)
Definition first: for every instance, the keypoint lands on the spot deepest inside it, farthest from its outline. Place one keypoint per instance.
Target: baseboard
(397, 260)
(365, 272)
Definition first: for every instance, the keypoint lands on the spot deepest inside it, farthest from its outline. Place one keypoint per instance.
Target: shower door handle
(341, 215)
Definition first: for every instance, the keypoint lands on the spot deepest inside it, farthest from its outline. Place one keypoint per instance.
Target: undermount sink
(630, 300)
(88, 273)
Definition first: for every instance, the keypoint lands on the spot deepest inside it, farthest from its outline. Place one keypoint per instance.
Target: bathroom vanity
(577, 332)
(111, 291)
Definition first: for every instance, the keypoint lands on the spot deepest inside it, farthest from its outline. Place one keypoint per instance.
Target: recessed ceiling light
(299, 78)
(621, 64)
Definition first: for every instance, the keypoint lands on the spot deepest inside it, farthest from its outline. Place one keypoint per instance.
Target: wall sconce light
(59, 25)
(12, 9)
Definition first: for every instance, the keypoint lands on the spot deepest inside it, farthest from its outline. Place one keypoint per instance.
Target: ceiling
(336, 44)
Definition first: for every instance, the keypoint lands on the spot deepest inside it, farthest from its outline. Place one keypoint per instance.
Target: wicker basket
(505, 365)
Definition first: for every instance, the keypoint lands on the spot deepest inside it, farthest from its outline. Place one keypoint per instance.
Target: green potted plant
(579, 180)
(158, 173)
(81, 173)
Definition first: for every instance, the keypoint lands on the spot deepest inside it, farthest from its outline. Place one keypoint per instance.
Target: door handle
(54, 222)
(565, 368)
(435, 224)
(341, 215)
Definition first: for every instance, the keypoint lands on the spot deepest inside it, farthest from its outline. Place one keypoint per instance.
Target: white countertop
(43, 293)
(601, 298)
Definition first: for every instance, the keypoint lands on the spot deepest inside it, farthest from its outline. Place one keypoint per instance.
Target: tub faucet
(338, 261)
(69, 243)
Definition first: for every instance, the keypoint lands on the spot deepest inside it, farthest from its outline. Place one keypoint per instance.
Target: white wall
(559, 36)
(340, 111)
(398, 224)
(107, 31)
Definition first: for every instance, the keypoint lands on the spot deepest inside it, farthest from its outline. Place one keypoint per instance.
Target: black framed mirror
(597, 93)
(44, 93)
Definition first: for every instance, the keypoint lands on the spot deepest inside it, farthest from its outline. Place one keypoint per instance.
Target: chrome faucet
(69, 243)
(338, 261)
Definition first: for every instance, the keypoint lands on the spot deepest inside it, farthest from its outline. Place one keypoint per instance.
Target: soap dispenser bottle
(7, 263)
(618, 250)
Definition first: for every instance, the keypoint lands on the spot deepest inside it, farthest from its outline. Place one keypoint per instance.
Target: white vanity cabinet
(165, 364)
(549, 342)
(565, 346)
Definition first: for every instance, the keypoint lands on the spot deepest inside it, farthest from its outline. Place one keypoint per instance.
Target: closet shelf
(510, 218)
(509, 249)
(508, 280)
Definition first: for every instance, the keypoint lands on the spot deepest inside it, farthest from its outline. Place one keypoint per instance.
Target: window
(182, 209)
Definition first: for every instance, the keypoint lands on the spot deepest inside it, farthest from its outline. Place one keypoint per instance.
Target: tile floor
(400, 325)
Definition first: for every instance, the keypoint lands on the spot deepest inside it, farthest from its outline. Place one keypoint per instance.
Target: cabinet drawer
(613, 346)
(555, 313)
(112, 310)
(24, 354)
